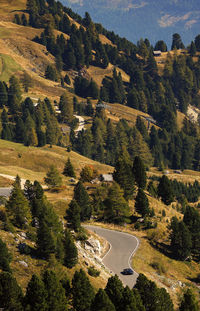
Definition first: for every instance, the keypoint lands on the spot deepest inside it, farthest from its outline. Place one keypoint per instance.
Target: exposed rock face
(23, 263)
(90, 254)
(93, 245)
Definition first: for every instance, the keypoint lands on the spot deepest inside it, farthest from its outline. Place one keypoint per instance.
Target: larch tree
(116, 207)
(68, 169)
(53, 178)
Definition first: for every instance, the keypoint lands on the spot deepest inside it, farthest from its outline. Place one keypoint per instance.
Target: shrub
(159, 267)
(93, 272)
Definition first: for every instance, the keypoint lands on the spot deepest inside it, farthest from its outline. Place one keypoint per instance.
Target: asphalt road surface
(5, 192)
(122, 248)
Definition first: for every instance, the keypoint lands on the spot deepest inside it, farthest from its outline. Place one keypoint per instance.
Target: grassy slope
(33, 163)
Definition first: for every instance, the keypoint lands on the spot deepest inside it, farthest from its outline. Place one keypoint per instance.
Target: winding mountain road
(122, 248)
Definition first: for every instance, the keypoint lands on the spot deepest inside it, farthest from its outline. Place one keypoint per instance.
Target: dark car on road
(127, 271)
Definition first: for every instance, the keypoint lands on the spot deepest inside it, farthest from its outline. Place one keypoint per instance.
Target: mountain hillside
(103, 132)
(162, 18)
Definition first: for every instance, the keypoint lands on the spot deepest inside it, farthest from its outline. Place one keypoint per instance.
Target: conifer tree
(139, 148)
(14, 88)
(68, 169)
(66, 107)
(153, 298)
(18, 207)
(165, 190)
(192, 49)
(50, 73)
(36, 295)
(82, 291)
(11, 297)
(82, 198)
(116, 207)
(4, 95)
(102, 302)
(59, 249)
(24, 20)
(189, 302)
(181, 240)
(71, 253)
(177, 42)
(5, 257)
(128, 300)
(114, 289)
(87, 173)
(4, 117)
(19, 131)
(139, 172)
(140, 125)
(45, 240)
(26, 80)
(142, 203)
(124, 177)
(73, 215)
(53, 178)
(6, 132)
(56, 298)
(17, 19)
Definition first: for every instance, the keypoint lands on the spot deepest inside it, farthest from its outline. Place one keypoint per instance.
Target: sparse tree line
(185, 235)
(171, 189)
(104, 142)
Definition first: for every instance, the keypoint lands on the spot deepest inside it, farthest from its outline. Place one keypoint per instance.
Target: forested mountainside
(57, 69)
(162, 89)
(162, 18)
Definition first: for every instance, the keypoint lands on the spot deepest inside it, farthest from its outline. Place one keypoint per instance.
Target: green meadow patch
(7, 67)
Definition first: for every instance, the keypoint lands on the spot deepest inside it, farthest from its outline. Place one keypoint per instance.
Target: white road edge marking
(132, 254)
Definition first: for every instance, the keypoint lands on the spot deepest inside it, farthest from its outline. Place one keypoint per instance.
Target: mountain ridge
(162, 19)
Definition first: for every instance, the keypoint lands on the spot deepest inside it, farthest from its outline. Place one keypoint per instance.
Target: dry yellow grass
(105, 40)
(118, 111)
(5, 182)
(98, 74)
(8, 7)
(33, 163)
(185, 177)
